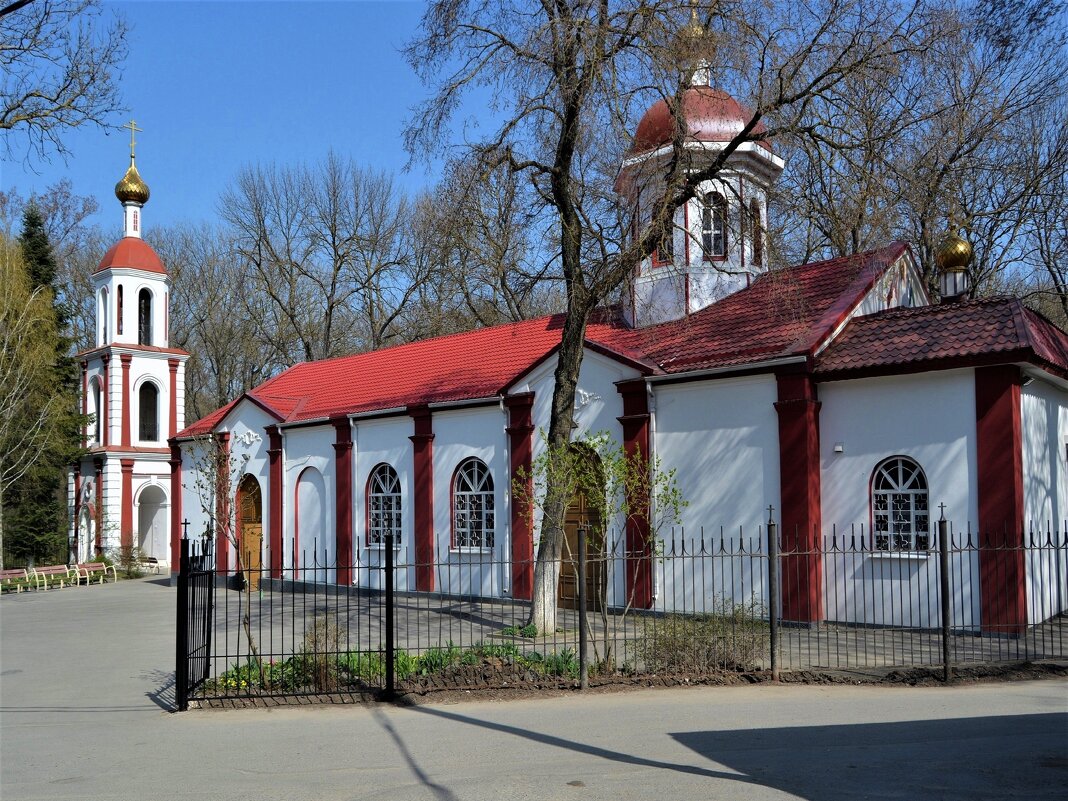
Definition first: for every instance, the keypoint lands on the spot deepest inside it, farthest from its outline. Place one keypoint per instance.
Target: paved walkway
(86, 677)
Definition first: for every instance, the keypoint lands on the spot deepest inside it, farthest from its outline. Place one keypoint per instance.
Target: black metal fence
(716, 601)
(195, 619)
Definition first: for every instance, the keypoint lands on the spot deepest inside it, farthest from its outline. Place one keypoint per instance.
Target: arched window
(472, 505)
(98, 414)
(104, 333)
(757, 227)
(714, 226)
(899, 508)
(148, 412)
(313, 542)
(665, 248)
(144, 317)
(118, 312)
(383, 505)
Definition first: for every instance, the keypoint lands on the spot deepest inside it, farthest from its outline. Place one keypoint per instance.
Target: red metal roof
(133, 253)
(936, 337)
(785, 313)
(711, 116)
(466, 366)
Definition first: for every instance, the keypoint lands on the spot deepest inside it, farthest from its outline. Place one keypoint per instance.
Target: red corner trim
(520, 448)
(343, 500)
(176, 505)
(999, 453)
(423, 496)
(125, 359)
(639, 557)
(126, 513)
(172, 367)
(274, 498)
(799, 492)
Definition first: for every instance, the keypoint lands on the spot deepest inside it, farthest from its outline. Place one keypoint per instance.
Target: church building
(834, 392)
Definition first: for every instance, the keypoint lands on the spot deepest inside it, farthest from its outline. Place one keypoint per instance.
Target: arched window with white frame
(144, 317)
(383, 505)
(714, 226)
(97, 410)
(473, 516)
(900, 508)
(756, 223)
(148, 412)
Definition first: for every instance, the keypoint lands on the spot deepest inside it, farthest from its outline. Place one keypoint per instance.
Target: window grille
(899, 500)
(714, 226)
(383, 505)
(472, 504)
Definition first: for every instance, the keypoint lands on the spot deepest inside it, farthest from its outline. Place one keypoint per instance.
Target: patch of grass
(436, 660)
(529, 631)
(733, 637)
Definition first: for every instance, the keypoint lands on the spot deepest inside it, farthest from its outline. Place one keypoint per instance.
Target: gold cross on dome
(133, 132)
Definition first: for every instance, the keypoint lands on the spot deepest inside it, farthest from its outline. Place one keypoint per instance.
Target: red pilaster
(423, 499)
(343, 508)
(126, 515)
(125, 358)
(999, 450)
(799, 489)
(85, 403)
(520, 430)
(635, 422)
(172, 367)
(98, 544)
(274, 496)
(176, 505)
(105, 395)
(222, 504)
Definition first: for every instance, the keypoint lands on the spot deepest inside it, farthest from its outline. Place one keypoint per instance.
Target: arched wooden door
(250, 528)
(582, 515)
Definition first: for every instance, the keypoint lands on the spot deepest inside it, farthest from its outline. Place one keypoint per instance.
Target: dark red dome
(133, 253)
(711, 116)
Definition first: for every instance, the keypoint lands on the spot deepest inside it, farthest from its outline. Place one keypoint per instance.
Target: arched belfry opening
(144, 317)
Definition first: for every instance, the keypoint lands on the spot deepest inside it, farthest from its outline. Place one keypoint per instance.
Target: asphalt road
(86, 682)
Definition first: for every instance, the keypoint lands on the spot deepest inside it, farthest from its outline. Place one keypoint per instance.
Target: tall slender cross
(133, 132)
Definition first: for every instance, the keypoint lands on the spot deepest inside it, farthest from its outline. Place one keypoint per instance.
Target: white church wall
(196, 497)
(722, 438)
(930, 418)
(315, 542)
(459, 435)
(597, 405)
(1044, 422)
(377, 441)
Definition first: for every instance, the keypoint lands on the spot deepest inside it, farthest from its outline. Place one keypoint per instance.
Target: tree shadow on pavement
(1011, 756)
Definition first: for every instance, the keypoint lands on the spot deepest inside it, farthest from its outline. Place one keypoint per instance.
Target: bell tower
(718, 240)
(133, 389)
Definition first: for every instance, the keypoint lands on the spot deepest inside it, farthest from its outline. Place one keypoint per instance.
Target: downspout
(651, 401)
(505, 573)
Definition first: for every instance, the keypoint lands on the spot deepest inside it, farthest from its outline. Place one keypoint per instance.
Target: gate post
(943, 587)
(773, 592)
(181, 628)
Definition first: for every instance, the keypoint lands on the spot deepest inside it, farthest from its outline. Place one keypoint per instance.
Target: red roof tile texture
(786, 313)
(928, 337)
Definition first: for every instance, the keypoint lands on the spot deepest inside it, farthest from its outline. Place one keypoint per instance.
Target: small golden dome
(131, 189)
(954, 253)
(694, 31)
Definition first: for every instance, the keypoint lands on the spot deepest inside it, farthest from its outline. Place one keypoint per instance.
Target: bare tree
(330, 247)
(59, 65)
(564, 76)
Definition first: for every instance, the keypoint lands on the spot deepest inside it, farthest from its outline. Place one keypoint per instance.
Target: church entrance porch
(250, 529)
(152, 523)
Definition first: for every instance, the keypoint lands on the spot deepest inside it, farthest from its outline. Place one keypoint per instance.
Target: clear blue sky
(218, 85)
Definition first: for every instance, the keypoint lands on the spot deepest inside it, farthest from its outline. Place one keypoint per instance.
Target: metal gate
(196, 604)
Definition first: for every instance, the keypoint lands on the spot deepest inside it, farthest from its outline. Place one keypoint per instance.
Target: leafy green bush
(529, 631)
(733, 637)
(559, 663)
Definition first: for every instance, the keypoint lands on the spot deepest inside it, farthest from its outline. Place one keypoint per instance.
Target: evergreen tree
(34, 505)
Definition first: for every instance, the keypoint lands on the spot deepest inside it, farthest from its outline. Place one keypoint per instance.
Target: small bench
(152, 563)
(50, 575)
(95, 570)
(14, 579)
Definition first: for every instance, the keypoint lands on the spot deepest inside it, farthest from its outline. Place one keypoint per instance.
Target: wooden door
(250, 529)
(580, 515)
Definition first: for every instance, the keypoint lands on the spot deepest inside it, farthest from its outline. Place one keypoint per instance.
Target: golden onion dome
(954, 253)
(132, 189)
